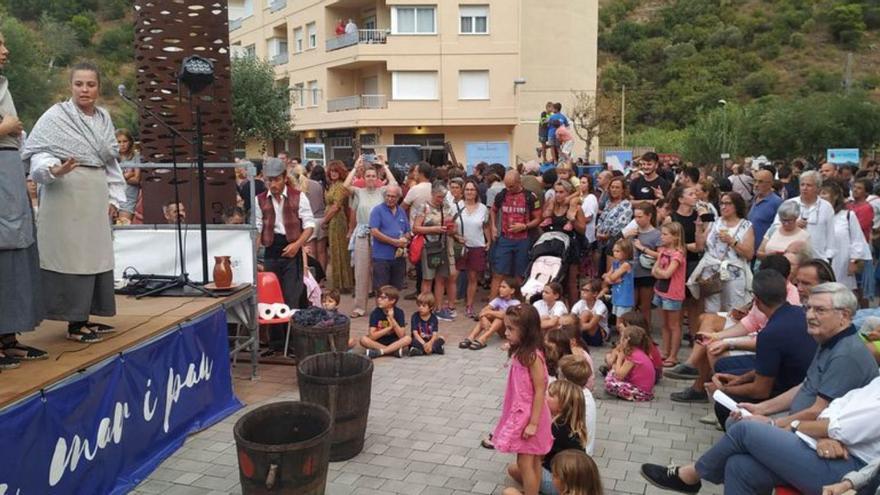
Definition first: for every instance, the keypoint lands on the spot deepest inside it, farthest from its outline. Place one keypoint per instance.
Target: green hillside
(678, 58)
(46, 36)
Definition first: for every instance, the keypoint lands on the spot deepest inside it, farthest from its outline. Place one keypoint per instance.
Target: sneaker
(689, 395)
(682, 371)
(400, 353)
(373, 353)
(667, 478)
(446, 314)
(415, 351)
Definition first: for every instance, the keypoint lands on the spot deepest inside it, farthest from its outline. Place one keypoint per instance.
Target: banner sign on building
(107, 428)
(489, 152)
(843, 156)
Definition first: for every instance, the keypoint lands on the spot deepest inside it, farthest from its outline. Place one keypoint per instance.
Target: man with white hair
(817, 215)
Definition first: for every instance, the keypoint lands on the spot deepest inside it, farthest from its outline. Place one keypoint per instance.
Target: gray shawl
(64, 132)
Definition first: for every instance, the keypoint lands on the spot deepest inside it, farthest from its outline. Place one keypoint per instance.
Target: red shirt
(515, 208)
(865, 214)
(676, 283)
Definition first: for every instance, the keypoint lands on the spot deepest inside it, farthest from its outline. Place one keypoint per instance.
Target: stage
(136, 321)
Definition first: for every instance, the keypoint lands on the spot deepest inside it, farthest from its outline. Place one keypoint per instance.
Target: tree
(60, 41)
(721, 130)
(587, 118)
(260, 108)
(29, 81)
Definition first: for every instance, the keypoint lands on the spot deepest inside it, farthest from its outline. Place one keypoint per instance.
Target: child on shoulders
(387, 335)
(425, 326)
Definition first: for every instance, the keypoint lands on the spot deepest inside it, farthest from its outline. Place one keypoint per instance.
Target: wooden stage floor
(135, 322)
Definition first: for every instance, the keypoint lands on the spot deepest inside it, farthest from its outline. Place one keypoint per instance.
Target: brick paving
(426, 419)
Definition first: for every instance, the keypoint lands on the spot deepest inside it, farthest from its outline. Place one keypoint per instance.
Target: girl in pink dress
(524, 426)
(632, 375)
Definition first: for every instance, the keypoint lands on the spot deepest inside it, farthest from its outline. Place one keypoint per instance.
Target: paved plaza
(426, 420)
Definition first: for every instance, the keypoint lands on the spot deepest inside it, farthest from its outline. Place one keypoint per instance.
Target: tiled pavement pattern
(426, 419)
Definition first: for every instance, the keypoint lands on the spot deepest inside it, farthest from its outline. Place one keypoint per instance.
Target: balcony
(276, 5)
(279, 59)
(362, 36)
(356, 102)
(235, 24)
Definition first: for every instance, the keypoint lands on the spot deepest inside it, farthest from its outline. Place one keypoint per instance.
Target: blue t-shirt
(556, 117)
(623, 292)
(762, 215)
(424, 328)
(784, 348)
(379, 319)
(392, 224)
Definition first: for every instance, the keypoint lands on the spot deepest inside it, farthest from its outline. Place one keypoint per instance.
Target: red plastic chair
(786, 490)
(269, 292)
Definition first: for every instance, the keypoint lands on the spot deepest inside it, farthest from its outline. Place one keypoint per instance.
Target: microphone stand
(181, 280)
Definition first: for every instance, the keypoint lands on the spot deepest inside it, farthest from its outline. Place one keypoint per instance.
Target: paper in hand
(725, 400)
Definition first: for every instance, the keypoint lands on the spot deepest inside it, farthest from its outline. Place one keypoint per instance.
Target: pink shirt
(642, 374)
(676, 283)
(755, 321)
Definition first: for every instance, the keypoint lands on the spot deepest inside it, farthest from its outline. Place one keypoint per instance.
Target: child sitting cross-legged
(492, 316)
(577, 370)
(426, 338)
(592, 313)
(549, 306)
(632, 376)
(387, 334)
(564, 341)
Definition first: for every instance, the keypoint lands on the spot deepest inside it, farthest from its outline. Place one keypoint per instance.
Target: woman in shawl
(21, 305)
(73, 154)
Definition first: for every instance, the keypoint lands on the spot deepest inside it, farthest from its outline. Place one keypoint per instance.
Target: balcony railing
(356, 102)
(280, 59)
(362, 36)
(235, 24)
(276, 5)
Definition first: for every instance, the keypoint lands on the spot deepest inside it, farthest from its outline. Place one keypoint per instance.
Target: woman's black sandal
(23, 352)
(83, 334)
(464, 344)
(476, 345)
(99, 328)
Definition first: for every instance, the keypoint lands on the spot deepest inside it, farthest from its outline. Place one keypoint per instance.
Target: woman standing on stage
(73, 154)
(21, 301)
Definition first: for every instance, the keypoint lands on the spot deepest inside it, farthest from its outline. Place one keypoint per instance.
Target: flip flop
(356, 314)
(486, 443)
(9, 362)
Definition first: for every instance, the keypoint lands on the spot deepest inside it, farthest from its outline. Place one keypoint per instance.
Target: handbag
(416, 246)
(434, 253)
(712, 284)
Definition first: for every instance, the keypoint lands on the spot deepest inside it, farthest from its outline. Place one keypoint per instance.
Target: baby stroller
(548, 262)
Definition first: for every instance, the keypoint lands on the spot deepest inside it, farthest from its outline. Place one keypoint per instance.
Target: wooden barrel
(341, 382)
(307, 341)
(284, 448)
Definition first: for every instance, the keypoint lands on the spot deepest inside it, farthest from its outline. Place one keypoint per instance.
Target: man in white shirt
(285, 223)
(350, 27)
(817, 215)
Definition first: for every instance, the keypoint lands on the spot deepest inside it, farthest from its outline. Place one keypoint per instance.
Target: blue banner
(105, 429)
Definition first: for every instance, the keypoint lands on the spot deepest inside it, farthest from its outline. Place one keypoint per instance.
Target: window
(414, 85)
(297, 40)
(277, 46)
(299, 97)
(312, 32)
(413, 20)
(313, 93)
(473, 85)
(250, 51)
(474, 19)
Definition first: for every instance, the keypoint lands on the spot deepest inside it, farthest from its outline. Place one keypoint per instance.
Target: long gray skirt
(21, 299)
(73, 298)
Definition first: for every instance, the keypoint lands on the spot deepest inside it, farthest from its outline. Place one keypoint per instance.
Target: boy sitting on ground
(425, 328)
(387, 334)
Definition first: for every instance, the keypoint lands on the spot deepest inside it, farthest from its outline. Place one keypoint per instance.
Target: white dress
(849, 244)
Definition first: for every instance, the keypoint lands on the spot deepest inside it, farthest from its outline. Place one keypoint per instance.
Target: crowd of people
(762, 270)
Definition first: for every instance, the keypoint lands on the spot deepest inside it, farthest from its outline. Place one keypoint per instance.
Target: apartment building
(472, 73)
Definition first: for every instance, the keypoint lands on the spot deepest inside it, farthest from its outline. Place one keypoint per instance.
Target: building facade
(374, 74)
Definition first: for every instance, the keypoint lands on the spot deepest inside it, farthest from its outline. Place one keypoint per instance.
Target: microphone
(121, 89)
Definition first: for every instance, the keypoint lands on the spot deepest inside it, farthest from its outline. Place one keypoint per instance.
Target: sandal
(476, 345)
(464, 344)
(23, 352)
(670, 363)
(356, 314)
(84, 335)
(486, 443)
(99, 328)
(9, 362)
